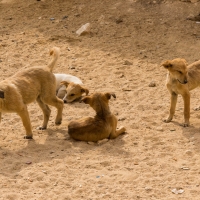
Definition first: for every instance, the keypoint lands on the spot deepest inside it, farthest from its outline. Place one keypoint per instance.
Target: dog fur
(28, 85)
(181, 79)
(102, 126)
(69, 88)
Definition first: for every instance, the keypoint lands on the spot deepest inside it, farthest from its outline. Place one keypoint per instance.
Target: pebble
(85, 29)
(119, 20)
(122, 119)
(126, 62)
(172, 129)
(65, 17)
(152, 84)
(159, 128)
(189, 153)
(185, 168)
(52, 19)
(177, 191)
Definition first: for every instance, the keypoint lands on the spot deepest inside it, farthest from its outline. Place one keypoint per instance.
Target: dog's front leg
(186, 99)
(26, 122)
(174, 97)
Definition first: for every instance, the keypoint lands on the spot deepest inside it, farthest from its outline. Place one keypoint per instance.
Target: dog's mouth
(185, 82)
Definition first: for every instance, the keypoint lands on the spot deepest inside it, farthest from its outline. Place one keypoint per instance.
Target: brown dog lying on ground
(102, 126)
(180, 80)
(28, 85)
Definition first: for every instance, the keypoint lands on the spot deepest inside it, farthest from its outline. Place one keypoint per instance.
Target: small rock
(172, 129)
(77, 15)
(119, 20)
(177, 191)
(126, 62)
(152, 84)
(159, 128)
(28, 162)
(121, 75)
(65, 17)
(85, 29)
(196, 108)
(122, 119)
(148, 188)
(52, 18)
(39, 17)
(189, 153)
(71, 67)
(185, 168)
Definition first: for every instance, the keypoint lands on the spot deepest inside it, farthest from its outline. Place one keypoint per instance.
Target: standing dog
(102, 126)
(69, 88)
(28, 85)
(181, 79)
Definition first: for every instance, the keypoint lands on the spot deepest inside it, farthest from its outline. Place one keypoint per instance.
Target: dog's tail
(55, 52)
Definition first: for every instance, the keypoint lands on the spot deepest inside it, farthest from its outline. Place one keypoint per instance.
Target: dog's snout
(185, 81)
(64, 101)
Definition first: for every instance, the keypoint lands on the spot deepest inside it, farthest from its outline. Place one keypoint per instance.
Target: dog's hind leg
(174, 97)
(46, 112)
(26, 122)
(58, 103)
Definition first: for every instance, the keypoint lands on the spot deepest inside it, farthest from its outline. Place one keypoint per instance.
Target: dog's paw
(42, 128)
(122, 128)
(185, 124)
(197, 108)
(58, 123)
(28, 137)
(167, 120)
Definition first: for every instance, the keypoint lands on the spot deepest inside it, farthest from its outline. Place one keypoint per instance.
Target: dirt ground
(122, 54)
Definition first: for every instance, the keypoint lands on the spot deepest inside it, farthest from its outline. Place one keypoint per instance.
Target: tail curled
(55, 52)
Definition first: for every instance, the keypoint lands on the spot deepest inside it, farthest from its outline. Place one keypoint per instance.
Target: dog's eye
(72, 95)
(180, 72)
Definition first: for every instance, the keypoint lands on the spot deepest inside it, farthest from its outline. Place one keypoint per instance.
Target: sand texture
(127, 41)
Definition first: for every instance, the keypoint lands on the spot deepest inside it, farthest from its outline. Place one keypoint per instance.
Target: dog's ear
(108, 95)
(66, 83)
(84, 90)
(85, 99)
(167, 64)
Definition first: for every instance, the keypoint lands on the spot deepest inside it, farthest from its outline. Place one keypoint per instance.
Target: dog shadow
(50, 145)
(193, 135)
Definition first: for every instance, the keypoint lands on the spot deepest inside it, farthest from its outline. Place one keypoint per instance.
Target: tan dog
(72, 91)
(180, 80)
(102, 126)
(28, 85)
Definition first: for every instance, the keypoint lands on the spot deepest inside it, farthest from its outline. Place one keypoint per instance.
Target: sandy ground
(122, 54)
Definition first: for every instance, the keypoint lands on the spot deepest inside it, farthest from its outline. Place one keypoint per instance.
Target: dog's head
(98, 101)
(177, 69)
(73, 91)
